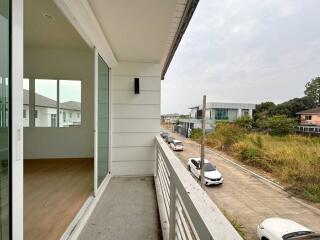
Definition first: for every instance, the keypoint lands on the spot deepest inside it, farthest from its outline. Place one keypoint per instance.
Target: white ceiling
(138, 30)
(41, 32)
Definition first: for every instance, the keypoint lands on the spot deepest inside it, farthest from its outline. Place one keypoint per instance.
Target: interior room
(58, 114)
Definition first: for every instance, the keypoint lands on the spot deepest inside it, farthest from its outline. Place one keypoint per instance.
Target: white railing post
(157, 160)
(172, 219)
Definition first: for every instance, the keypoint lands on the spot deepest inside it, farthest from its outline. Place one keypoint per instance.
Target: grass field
(292, 159)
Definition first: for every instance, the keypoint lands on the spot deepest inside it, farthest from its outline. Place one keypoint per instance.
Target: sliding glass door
(4, 118)
(102, 120)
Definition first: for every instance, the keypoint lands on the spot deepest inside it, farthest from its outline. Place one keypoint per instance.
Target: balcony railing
(186, 211)
(309, 129)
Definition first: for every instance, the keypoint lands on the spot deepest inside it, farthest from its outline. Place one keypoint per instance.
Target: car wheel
(189, 168)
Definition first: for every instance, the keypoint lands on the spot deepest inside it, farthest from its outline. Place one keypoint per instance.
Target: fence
(186, 211)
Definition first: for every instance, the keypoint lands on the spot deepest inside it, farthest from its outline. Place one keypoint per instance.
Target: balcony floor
(127, 210)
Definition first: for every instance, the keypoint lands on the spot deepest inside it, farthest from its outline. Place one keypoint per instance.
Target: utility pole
(202, 140)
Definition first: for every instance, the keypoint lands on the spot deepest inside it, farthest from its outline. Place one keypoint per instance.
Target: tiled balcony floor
(127, 210)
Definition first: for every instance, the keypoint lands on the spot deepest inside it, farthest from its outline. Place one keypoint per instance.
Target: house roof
(310, 111)
(42, 101)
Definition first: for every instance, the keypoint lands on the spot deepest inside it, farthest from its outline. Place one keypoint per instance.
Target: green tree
(291, 107)
(313, 90)
(264, 109)
(277, 125)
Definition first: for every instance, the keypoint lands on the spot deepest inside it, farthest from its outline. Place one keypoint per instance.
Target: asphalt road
(248, 198)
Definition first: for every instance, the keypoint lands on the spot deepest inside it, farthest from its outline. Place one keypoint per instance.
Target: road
(248, 198)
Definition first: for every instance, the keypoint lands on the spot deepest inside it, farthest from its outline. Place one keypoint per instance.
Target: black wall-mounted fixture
(136, 86)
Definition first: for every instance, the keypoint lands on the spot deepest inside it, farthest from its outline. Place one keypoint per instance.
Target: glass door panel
(102, 120)
(4, 119)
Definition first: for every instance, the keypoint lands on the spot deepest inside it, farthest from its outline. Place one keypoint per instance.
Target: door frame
(16, 121)
(98, 189)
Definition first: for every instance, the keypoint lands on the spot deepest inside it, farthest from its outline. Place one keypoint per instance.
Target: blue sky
(244, 51)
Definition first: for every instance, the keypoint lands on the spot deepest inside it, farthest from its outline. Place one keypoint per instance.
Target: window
(45, 102)
(195, 163)
(70, 102)
(308, 117)
(245, 112)
(221, 114)
(26, 108)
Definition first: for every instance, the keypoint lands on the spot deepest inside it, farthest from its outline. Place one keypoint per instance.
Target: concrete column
(239, 113)
(250, 112)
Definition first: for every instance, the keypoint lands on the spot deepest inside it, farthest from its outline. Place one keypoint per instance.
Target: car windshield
(178, 143)
(296, 234)
(208, 167)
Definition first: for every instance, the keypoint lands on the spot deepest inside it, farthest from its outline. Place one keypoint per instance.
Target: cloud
(250, 51)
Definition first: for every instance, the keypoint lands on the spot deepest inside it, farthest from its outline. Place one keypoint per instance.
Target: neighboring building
(216, 112)
(310, 117)
(309, 121)
(45, 112)
(170, 118)
(223, 111)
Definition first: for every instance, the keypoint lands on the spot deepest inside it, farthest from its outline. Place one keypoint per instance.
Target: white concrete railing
(309, 129)
(186, 211)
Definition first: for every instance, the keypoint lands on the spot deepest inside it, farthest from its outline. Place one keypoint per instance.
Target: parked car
(164, 134)
(280, 229)
(167, 138)
(176, 145)
(170, 139)
(211, 174)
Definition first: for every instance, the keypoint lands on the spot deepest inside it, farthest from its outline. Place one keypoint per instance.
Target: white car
(280, 229)
(176, 145)
(211, 174)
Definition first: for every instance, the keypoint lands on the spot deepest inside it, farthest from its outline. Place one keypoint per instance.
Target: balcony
(170, 205)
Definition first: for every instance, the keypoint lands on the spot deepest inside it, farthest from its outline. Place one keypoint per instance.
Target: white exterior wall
(74, 142)
(135, 118)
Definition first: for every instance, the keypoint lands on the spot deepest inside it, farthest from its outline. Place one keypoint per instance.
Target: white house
(45, 112)
(170, 118)
(215, 112)
(55, 181)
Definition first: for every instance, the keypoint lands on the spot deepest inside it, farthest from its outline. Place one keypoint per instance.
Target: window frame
(220, 110)
(33, 113)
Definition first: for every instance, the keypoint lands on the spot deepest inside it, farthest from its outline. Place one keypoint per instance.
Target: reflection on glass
(45, 103)
(70, 103)
(103, 119)
(4, 119)
(26, 114)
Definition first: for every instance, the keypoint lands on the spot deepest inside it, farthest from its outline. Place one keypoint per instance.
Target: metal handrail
(189, 212)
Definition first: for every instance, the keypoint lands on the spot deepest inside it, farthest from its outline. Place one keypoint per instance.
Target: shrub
(250, 153)
(245, 122)
(195, 134)
(277, 125)
(229, 133)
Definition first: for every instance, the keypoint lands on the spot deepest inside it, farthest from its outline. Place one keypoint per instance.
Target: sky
(244, 51)
(70, 90)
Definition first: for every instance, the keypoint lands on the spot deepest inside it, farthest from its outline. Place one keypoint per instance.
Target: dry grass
(293, 159)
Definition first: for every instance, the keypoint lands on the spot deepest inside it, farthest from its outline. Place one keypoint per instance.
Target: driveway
(248, 198)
